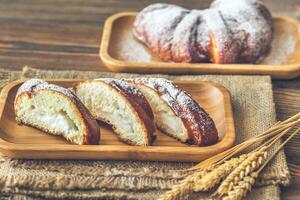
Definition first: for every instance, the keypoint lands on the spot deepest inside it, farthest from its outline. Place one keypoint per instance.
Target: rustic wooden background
(65, 34)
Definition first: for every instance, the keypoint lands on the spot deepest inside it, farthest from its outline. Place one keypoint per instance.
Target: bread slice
(121, 105)
(176, 113)
(165, 118)
(55, 110)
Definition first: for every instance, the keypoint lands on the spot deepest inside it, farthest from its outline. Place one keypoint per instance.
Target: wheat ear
(241, 189)
(244, 186)
(202, 181)
(212, 178)
(253, 162)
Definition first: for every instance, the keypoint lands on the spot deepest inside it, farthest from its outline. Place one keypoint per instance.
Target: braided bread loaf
(229, 31)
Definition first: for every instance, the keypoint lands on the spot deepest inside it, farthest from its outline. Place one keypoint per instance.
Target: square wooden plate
(18, 141)
(121, 52)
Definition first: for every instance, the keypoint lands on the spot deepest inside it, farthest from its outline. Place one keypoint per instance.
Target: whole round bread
(228, 32)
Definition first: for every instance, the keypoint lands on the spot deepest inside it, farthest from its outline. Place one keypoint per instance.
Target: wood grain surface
(65, 34)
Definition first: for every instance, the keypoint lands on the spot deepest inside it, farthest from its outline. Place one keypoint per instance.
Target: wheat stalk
(178, 192)
(214, 169)
(202, 180)
(186, 187)
(212, 178)
(255, 160)
(274, 130)
(244, 186)
(250, 164)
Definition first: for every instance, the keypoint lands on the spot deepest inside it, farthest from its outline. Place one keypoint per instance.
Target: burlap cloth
(254, 112)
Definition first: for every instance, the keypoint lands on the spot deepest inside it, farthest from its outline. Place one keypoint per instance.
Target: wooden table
(64, 34)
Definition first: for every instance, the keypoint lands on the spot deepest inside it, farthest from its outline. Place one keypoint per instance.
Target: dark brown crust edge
(201, 128)
(91, 130)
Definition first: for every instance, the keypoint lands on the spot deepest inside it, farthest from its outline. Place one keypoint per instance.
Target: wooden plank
(79, 24)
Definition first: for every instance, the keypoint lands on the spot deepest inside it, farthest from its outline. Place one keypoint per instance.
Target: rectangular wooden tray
(121, 52)
(18, 141)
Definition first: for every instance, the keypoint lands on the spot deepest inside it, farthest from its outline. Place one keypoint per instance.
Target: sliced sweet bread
(55, 110)
(176, 113)
(121, 105)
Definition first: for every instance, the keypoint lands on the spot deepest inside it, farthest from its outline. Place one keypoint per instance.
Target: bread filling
(57, 121)
(52, 112)
(108, 105)
(164, 116)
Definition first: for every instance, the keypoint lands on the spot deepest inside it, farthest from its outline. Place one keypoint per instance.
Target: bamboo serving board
(121, 52)
(19, 141)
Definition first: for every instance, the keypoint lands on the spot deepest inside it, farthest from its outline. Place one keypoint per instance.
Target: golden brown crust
(33, 86)
(201, 128)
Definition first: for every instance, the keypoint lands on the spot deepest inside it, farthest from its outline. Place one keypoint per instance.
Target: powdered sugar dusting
(250, 23)
(29, 85)
(33, 85)
(185, 107)
(167, 90)
(117, 83)
(184, 40)
(241, 28)
(163, 18)
(283, 45)
(170, 92)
